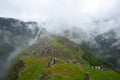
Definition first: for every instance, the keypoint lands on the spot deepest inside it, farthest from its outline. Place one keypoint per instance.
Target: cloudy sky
(76, 12)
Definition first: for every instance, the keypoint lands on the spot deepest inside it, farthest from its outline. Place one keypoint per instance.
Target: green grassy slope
(35, 66)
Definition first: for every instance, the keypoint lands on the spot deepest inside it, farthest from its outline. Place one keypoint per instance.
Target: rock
(86, 76)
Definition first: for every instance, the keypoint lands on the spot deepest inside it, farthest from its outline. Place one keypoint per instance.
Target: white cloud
(62, 8)
(80, 13)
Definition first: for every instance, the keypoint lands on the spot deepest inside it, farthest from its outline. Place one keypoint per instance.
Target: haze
(80, 13)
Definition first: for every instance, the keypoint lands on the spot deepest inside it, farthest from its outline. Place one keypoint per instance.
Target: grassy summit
(71, 63)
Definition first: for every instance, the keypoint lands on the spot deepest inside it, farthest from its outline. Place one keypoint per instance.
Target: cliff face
(107, 47)
(15, 35)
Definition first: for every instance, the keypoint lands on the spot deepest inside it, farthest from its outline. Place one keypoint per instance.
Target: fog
(85, 14)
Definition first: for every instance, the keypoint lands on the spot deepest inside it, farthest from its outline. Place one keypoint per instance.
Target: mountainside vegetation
(107, 48)
(57, 58)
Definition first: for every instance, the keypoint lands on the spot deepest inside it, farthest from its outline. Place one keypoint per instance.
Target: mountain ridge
(70, 63)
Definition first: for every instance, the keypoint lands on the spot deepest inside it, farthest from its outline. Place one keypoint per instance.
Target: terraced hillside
(57, 58)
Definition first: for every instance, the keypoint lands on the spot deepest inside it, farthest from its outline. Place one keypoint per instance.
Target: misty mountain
(57, 58)
(76, 34)
(36, 41)
(110, 47)
(15, 35)
(105, 46)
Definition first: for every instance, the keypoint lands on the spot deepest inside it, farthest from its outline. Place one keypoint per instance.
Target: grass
(93, 60)
(80, 52)
(56, 42)
(34, 67)
(63, 70)
(37, 68)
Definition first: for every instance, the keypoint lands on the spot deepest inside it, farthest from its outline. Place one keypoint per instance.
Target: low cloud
(85, 14)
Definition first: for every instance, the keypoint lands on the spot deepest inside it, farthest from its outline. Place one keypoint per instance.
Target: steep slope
(104, 45)
(108, 47)
(15, 35)
(57, 58)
